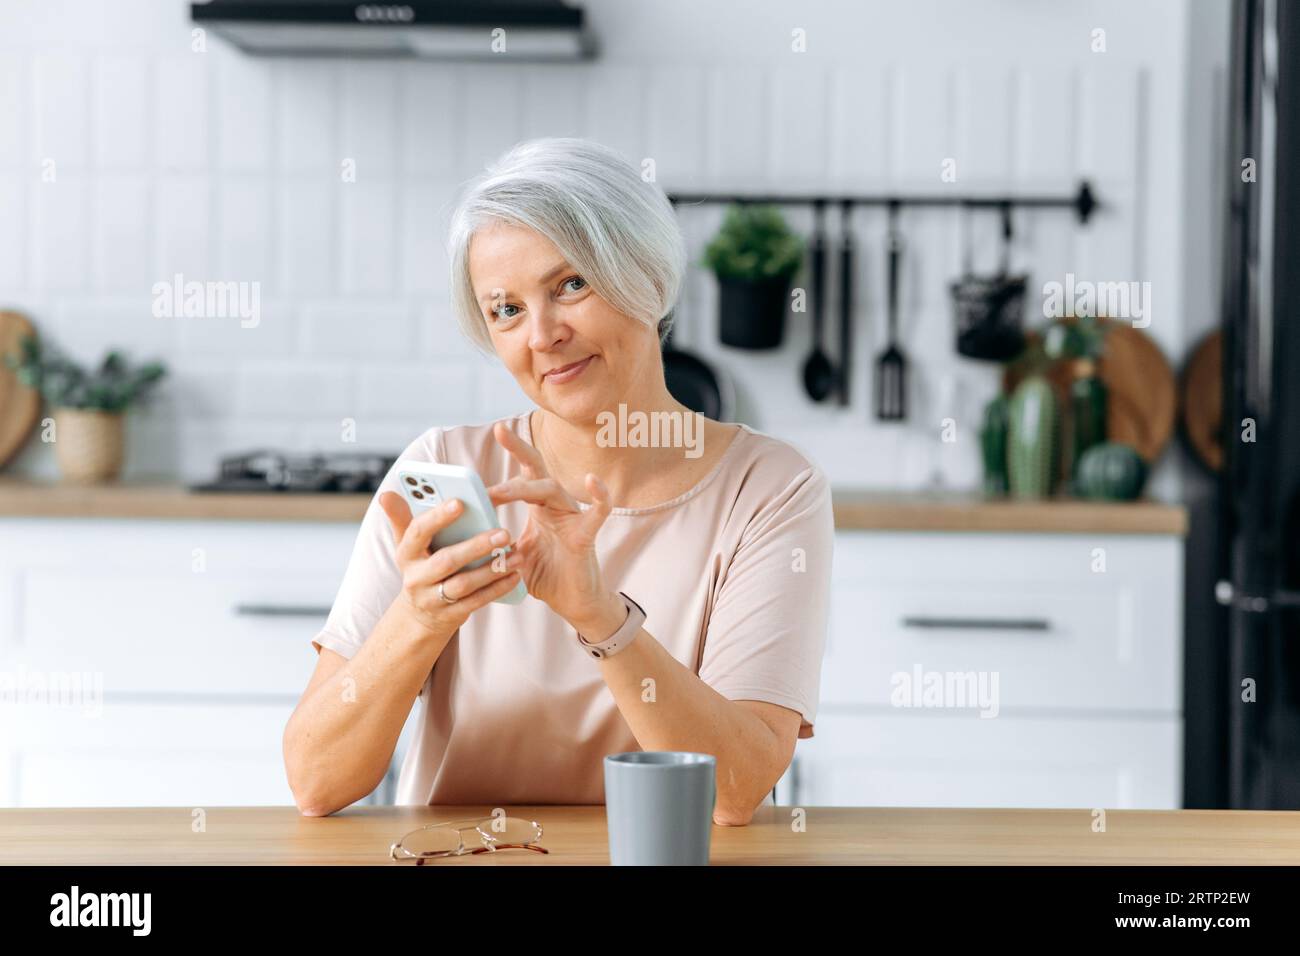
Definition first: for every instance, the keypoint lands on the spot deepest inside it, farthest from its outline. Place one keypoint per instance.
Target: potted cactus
(89, 406)
(755, 256)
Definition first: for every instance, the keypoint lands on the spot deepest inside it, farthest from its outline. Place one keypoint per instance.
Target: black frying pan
(697, 384)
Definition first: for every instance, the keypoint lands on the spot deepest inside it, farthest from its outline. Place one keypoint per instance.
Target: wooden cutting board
(1202, 401)
(20, 406)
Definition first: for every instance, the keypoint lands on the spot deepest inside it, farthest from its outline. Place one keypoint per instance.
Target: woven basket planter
(89, 445)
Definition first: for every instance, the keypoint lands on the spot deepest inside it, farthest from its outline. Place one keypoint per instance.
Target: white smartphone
(425, 485)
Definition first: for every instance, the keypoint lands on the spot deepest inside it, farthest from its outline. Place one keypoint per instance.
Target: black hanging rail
(1083, 202)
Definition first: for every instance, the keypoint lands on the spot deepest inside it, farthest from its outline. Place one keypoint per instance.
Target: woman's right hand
(422, 572)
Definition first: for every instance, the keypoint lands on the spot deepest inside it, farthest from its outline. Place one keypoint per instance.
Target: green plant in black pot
(755, 256)
(88, 405)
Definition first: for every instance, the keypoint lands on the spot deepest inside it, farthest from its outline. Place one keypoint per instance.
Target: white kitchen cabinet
(198, 634)
(1079, 635)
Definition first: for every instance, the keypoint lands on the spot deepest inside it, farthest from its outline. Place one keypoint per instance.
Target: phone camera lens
(426, 489)
(416, 494)
(410, 480)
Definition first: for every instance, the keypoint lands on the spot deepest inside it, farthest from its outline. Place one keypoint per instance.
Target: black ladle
(818, 372)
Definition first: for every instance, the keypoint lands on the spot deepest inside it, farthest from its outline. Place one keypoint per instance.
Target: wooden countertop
(577, 835)
(855, 509)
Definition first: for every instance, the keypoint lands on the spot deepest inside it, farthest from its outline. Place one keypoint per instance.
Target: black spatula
(891, 366)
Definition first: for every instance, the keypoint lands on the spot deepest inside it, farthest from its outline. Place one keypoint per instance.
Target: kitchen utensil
(659, 807)
(1201, 392)
(842, 376)
(695, 383)
(989, 309)
(818, 372)
(20, 406)
(1141, 393)
(891, 366)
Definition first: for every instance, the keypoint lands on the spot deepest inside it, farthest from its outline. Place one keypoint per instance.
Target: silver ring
(443, 595)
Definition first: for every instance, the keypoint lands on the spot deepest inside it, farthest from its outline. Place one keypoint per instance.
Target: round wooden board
(1141, 394)
(20, 406)
(1202, 401)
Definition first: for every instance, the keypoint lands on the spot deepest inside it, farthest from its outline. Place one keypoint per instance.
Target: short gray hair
(616, 229)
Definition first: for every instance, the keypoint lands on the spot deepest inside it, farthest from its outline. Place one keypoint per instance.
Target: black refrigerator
(1254, 627)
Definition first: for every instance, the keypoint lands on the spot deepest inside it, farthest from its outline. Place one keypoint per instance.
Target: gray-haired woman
(618, 502)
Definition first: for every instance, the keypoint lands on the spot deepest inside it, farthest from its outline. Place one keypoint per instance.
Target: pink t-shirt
(733, 575)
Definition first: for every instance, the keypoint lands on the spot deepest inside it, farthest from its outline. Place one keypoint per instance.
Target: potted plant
(754, 255)
(88, 406)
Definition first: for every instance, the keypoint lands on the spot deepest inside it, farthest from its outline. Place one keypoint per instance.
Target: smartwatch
(620, 638)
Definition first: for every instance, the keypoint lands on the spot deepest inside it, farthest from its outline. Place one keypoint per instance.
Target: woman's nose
(548, 329)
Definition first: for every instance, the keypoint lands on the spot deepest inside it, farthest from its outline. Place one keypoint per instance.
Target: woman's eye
(582, 283)
(500, 313)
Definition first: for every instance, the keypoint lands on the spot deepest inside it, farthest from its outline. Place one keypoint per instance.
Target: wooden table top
(577, 835)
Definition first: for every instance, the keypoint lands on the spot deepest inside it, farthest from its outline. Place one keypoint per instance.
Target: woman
(566, 265)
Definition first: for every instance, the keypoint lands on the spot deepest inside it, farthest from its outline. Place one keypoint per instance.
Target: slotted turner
(891, 366)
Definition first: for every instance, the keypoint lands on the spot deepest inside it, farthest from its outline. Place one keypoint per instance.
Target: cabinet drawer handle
(281, 610)
(979, 623)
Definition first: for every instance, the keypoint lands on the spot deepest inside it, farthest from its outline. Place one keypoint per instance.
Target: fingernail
(500, 537)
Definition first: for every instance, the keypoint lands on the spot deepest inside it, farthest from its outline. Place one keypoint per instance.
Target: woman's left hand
(558, 547)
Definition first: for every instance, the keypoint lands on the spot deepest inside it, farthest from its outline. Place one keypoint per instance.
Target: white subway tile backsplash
(123, 113)
(268, 327)
(243, 110)
(737, 126)
(181, 214)
(306, 117)
(13, 234)
(490, 114)
(365, 328)
(228, 167)
(922, 126)
(439, 335)
(296, 390)
(15, 128)
(89, 328)
(440, 393)
(555, 102)
(430, 104)
(424, 214)
(304, 214)
(616, 109)
(123, 231)
(1046, 126)
(368, 132)
(1108, 112)
(244, 234)
(675, 123)
(182, 113)
(368, 238)
(982, 110)
(61, 91)
(61, 246)
(799, 138)
(859, 129)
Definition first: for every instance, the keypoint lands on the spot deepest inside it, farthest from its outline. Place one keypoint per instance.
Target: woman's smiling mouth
(567, 373)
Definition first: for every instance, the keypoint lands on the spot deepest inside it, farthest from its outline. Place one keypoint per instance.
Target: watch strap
(620, 638)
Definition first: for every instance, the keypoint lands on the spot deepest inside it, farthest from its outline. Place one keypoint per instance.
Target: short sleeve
(372, 580)
(767, 632)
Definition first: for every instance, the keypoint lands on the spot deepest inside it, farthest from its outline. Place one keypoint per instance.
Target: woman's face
(571, 352)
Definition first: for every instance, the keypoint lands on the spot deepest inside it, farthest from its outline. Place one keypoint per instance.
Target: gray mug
(659, 807)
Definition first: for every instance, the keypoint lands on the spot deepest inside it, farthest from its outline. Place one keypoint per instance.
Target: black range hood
(435, 29)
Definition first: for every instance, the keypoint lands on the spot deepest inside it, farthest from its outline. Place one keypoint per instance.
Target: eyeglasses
(448, 839)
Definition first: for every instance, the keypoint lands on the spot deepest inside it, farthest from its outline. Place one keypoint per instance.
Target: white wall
(219, 166)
